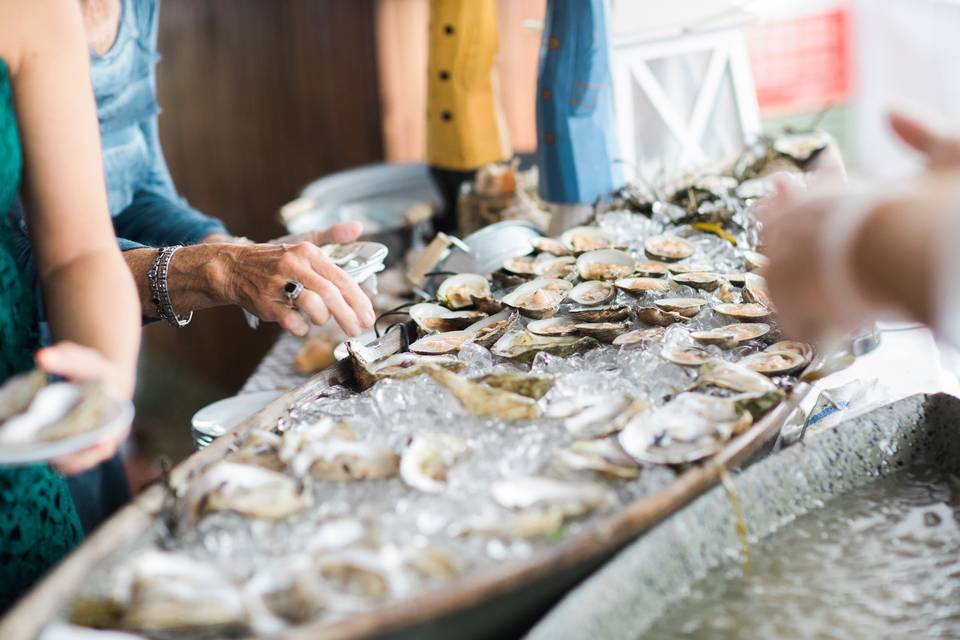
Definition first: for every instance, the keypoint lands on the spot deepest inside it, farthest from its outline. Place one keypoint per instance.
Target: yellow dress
(465, 128)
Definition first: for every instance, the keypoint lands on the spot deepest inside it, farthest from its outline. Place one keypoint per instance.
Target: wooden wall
(259, 98)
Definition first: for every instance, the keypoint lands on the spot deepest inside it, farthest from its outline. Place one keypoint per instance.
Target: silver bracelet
(159, 289)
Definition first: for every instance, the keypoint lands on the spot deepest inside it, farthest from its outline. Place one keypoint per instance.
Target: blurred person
(48, 137)
(871, 251)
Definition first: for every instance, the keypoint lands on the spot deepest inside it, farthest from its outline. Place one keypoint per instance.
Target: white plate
(119, 417)
(216, 419)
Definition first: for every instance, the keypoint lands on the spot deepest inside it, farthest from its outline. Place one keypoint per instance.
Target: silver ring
(292, 290)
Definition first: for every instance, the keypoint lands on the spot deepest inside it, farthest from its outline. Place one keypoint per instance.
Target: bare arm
(89, 293)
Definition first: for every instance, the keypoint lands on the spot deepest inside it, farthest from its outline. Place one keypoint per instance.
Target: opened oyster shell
(594, 415)
(526, 384)
(552, 327)
(687, 307)
(487, 331)
(428, 458)
(582, 239)
(436, 344)
(658, 317)
(605, 264)
(637, 336)
(755, 290)
(523, 346)
(345, 460)
(736, 377)
(667, 248)
(538, 298)
(549, 266)
(747, 312)
(460, 291)
(602, 331)
(246, 489)
(754, 260)
(521, 266)
(732, 335)
(640, 285)
(592, 292)
(56, 411)
(802, 349)
(686, 356)
(434, 317)
(651, 269)
(368, 371)
(703, 280)
(603, 313)
(603, 456)
(690, 427)
(549, 245)
(774, 363)
(689, 267)
(18, 392)
(484, 400)
(802, 147)
(571, 498)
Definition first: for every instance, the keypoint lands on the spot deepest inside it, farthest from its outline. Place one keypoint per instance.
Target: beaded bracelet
(159, 290)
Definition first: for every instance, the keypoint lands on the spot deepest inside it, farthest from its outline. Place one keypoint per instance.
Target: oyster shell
(399, 365)
(603, 331)
(552, 327)
(802, 147)
(18, 392)
(246, 489)
(639, 335)
(755, 290)
(658, 317)
(261, 448)
(522, 266)
(639, 285)
(689, 267)
(736, 377)
(592, 416)
(604, 456)
(582, 239)
(703, 280)
(487, 331)
(731, 335)
(528, 524)
(592, 292)
(737, 279)
(690, 427)
(524, 346)
(604, 313)
(549, 245)
(605, 264)
(755, 261)
(688, 307)
(651, 269)
(802, 349)
(484, 400)
(538, 298)
(434, 317)
(526, 384)
(355, 577)
(686, 356)
(570, 498)
(667, 248)
(459, 291)
(428, 458)
(436, 344)
(561, 267)
(344, 460)
(56, 411)
(748, 311)
(774, 363)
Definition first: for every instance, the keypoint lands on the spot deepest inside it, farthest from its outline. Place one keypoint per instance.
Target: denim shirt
(146, 208)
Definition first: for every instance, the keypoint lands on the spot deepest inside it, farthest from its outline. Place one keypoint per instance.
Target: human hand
(340, 233)
(80, 364)
(254, 277)
(941, 151)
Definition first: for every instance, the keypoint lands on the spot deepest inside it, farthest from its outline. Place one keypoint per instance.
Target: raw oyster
(528, 524)
(687, 307)
(755, 290)
(246, 489)
(490, 329)
(570, 498)
(802, 349)
(605, 264)
(640, 285)
(651, 269)
(736, 377)
(594, 416)
(344, 460)
(483, 400)
(437, 344)
(460, 291)
(703, 280)
(368, 371)
(592, 292)
(261, 448)
(538, 298)
(658, 317)
(667, 248)
(434, 317)
(690, 427)
(748, 311)
(639, 335)
(604, 313)
(427, 459)
(549, 266)
(602, 331)
(731, 335)
(156, 591)
(685, 356)
(56, 411)
(603, 455)
(522, 266)
(583, 239)
(354, 577)
(526, 384)
(774, 363)
(18, 392)
(549, 245)
(552, 327)
(689, 267)
(524, 346)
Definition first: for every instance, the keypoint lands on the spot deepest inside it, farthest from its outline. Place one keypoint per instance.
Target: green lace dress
(38, 521)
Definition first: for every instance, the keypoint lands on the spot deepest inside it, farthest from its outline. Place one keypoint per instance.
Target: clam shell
(606, 313)
(434, 317)
(746, 311)
(667, 248)
(552, 327)
(592, 292)
(651, 269)
(703, 280)
(774, 363)
(639, 335)
(582, 239)
(605, 264)
(640, 285)
(686, 356)
(732, 335)
(688, 307)
(457, 292)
